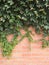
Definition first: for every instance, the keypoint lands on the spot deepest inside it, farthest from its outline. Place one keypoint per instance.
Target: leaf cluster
(16, 14)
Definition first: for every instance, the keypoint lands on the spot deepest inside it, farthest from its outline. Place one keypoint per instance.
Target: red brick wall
(23, 55)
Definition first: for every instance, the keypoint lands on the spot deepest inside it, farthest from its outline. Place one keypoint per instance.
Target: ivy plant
(17, 14)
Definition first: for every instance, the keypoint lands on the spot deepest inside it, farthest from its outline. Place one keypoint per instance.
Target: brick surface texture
(26, 53)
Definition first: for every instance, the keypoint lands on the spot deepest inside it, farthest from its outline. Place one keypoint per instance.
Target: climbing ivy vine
(17, 14)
